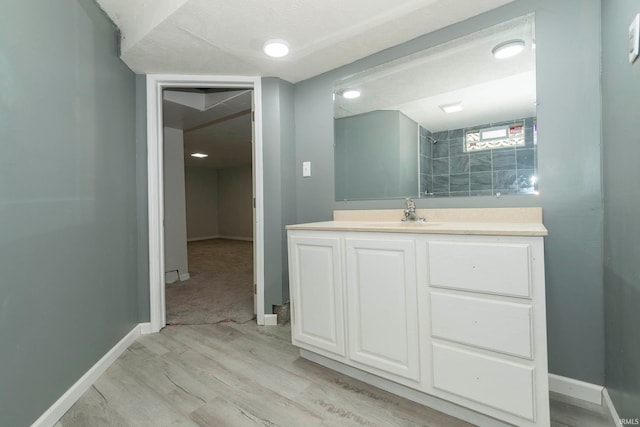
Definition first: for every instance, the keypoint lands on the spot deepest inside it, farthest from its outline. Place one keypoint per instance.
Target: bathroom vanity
(450, 310)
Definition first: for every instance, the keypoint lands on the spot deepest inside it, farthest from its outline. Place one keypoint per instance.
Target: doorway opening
(208, 205)
(210, 90)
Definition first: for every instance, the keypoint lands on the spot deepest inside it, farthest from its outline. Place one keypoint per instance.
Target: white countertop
(494, 222)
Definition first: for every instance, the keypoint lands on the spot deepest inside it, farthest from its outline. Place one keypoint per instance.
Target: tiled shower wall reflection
(446, 169)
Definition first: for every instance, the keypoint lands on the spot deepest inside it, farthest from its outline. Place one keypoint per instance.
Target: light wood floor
(230, 374)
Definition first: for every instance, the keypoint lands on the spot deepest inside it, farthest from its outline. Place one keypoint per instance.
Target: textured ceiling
(226, 37)
(214, 123)
(463, 70)
(222, 37)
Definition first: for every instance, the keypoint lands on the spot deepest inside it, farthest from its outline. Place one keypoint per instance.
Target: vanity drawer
(495, 325)
(488, 380)
(497, 268)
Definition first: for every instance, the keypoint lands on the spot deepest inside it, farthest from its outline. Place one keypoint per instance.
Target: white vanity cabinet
(446, 311)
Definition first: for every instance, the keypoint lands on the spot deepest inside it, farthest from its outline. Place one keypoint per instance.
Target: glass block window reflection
(511, 135)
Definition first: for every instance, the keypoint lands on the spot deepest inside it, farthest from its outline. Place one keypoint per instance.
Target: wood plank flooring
(230, 374)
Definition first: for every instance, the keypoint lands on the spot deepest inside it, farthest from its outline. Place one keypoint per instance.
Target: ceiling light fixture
(508, 49)
(451, 108)
(199, 155)
(276, 48)
(351, 93)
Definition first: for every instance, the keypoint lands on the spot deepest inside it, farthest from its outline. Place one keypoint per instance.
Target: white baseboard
(270, 320)
(66, 401)
(577, 389)
(171, 277)
(246, 239)
(145, 328)
(612, 409)
(175, 276)
(197, 239)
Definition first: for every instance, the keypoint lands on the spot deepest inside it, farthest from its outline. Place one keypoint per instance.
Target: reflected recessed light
(508, 49)
(351, 93)
(276, 48)
(199, 155)
(451, 108)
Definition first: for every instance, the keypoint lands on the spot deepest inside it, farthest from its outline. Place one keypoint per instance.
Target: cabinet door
(316, 293)
(382, 309)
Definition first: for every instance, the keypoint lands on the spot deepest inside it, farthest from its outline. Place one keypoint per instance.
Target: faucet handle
(410, 203)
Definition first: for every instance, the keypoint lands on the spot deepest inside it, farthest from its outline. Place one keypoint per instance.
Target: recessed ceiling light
(451, 108)
(276, 48)
(508, 49)
(351, 93)
(199, 155)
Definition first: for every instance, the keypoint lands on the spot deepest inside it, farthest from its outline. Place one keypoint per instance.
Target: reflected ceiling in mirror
(462, 71)
(464, 75)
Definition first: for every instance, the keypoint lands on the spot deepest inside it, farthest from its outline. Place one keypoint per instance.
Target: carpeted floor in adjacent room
(220, 287)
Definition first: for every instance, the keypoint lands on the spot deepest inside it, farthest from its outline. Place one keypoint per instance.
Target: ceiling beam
(220, 120)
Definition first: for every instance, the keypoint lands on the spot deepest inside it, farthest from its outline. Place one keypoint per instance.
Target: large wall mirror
(458, 119)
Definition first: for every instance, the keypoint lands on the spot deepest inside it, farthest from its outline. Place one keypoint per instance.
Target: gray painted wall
(621, 151)
(235, 202)
(279, 185)
(287, 174)
(141, 198)
(569, 115)
(175, 213)
(201, 193)
(68, 229)
(219, 202)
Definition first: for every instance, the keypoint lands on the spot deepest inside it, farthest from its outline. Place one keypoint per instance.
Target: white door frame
(155, 85)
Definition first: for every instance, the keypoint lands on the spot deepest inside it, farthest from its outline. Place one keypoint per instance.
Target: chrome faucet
(410, 212)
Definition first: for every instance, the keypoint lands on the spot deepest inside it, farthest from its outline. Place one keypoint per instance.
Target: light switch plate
(306, 169)
(634, 39)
